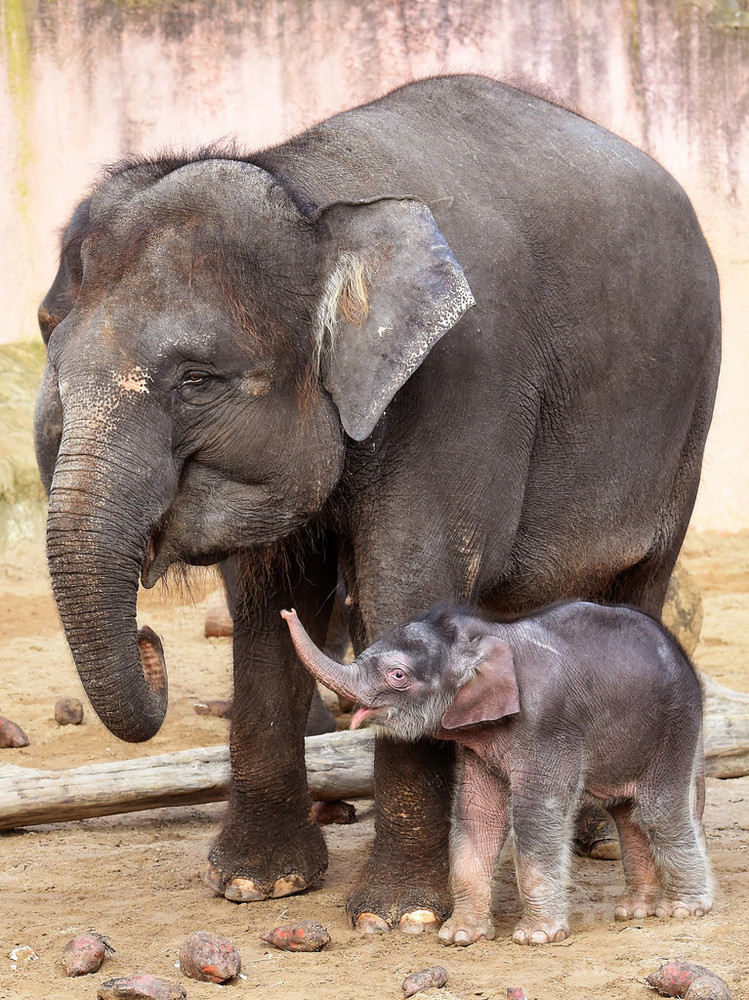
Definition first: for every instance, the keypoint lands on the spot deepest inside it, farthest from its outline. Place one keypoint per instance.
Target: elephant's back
(582, 222)
(472, 141)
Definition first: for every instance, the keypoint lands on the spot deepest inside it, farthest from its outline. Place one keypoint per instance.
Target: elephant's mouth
(365, 716)
(160, 555)
(157, 559)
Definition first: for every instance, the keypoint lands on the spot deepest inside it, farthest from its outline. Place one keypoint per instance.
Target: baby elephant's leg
(679, 853)
(642, 881)
(542, 824)
(480, 826)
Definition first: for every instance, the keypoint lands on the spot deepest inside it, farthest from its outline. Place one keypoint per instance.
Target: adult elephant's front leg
(270, 844)
(405, 883)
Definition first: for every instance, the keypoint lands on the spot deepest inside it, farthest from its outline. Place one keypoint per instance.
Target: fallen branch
(339, 765)
(726, 715)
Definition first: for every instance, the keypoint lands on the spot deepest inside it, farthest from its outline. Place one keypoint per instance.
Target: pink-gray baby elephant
(576, 701)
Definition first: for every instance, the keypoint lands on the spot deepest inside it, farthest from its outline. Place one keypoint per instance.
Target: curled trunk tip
(152, 659)
(334, 675)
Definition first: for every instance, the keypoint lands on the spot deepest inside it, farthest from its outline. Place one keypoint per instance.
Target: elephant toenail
(288, 885)
(371, 923)
(418, 921)
(244, 890)
(605, 850)
(214, 880)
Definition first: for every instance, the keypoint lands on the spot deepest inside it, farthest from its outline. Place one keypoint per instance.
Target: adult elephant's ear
(393, 289)
(61, 297)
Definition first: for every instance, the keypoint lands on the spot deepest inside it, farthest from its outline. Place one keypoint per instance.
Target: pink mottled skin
(578, 702)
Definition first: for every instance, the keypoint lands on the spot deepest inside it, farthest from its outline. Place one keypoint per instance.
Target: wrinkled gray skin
(574, 702)
(274, 360)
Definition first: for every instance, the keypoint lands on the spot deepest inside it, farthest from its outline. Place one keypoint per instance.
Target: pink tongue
(359, 716)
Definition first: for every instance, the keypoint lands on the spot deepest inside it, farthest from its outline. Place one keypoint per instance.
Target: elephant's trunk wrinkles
(101, 516)
(329, 672)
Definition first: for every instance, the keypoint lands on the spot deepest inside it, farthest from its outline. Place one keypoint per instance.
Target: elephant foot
(540, 932)
(629, 908)
(413, 922)
(261, 872)
(370, 923)
(595, 835)
(636, 907)
(245, 890)
(418, 921)
(682, 908)
(399, 902)
(465, 928)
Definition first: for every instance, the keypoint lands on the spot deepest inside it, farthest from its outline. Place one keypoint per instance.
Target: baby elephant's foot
(465, 928)
(636, 907)
(540, 932)
(687, 906)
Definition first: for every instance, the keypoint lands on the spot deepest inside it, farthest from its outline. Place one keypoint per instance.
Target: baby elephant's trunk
(337, 676)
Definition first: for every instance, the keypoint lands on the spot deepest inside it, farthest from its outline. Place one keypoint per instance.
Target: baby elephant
(575, 701)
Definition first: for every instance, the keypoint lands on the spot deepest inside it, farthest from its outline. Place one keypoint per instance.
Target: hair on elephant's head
(212, 344)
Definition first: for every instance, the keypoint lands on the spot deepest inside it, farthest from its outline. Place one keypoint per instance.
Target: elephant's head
(211, 348)
(428, 677)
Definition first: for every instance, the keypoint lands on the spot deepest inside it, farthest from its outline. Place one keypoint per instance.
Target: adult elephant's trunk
(104, 502)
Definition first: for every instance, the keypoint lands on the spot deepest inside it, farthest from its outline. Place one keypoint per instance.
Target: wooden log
(726, 714)
(339, 765)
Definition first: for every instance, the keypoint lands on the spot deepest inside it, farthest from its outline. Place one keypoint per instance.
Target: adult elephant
(277, 358)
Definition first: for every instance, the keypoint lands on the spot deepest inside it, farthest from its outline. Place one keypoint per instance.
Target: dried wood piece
(726, 714)
(85, 953)
(216, 707)
(141, 987)
(434, 976)
(307, 935)
(688, 980)
(11, 734)
(338, 765)
(209, 958)
(68, 712)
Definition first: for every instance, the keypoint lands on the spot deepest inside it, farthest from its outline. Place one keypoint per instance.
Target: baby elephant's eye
(398, 678)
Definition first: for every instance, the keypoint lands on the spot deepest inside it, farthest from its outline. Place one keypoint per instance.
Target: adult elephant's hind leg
(270, 844)
(405, 883)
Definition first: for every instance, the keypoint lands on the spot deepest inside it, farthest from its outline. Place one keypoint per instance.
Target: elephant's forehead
(416, 639)
(92, 398)
(161, 306)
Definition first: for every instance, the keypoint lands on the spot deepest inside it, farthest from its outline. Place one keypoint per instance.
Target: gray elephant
(275, 359)
(576, 700)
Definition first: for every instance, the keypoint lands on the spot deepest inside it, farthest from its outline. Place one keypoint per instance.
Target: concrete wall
(84, 81)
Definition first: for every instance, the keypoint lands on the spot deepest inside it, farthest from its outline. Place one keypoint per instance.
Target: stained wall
(83, 82)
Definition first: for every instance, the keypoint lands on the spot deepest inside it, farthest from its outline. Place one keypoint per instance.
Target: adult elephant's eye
(197, 386)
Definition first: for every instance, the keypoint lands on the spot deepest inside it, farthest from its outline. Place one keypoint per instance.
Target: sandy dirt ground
(138, 877)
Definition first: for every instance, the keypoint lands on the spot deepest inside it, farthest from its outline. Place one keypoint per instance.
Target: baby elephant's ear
(492, 692)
